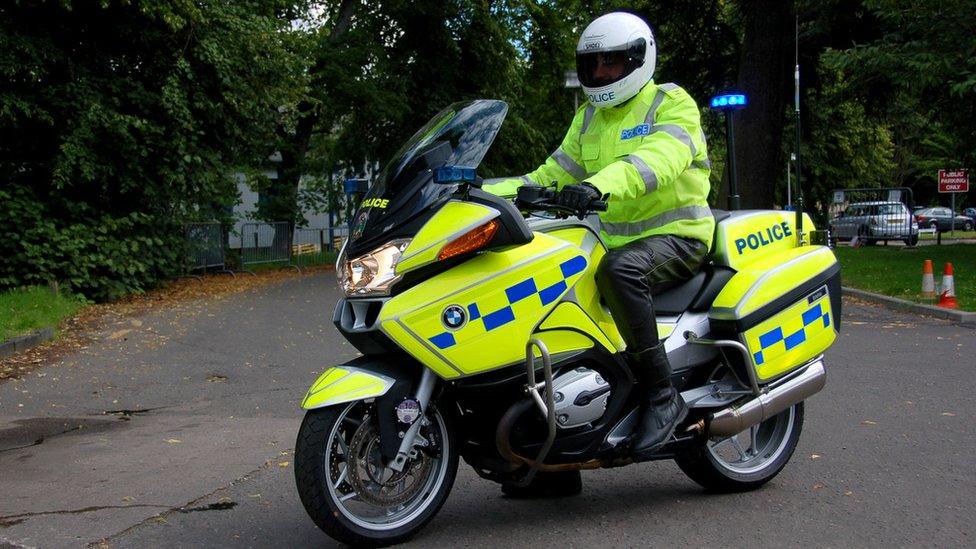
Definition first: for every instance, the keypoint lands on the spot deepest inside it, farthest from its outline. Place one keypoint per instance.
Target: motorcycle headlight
(372, 273)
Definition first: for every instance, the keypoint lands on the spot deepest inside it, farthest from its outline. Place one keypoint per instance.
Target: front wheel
(351, 495)
(749, 459)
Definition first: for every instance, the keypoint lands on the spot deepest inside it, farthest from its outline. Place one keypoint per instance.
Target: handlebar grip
(598, 205)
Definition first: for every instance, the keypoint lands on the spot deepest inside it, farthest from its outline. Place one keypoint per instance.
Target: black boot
(547, 485)
(662, 407)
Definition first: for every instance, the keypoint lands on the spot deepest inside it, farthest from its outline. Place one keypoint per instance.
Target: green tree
(889, 100)
(121, 120)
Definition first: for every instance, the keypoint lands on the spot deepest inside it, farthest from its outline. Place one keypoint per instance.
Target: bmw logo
(454, 317)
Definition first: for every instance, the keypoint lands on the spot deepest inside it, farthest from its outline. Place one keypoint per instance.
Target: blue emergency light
(729, 101)
(454, 174)
(355, 186)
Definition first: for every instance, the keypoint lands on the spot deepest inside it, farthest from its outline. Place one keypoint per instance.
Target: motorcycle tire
(706, 466)
(319, 492)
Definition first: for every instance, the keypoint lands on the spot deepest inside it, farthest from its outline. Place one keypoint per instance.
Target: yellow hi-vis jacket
(649, 154)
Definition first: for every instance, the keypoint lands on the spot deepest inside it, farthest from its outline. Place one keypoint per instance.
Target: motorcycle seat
(720, 215)
(695, 294)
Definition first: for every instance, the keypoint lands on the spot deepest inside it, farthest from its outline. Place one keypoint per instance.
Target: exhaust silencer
(734, 420)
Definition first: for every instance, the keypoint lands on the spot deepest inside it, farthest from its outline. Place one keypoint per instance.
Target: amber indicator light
(470, 241)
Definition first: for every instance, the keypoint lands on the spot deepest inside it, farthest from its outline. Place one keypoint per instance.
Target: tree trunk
(765, 76)
(294, 146)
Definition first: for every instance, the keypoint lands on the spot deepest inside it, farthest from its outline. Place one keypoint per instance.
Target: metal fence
(204, 248)
(265, 243)
(869, 216)
(316, 246)
(277, 243)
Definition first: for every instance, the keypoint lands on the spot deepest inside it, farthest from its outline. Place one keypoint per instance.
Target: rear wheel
(349, 492)
(968, 226)
(749, 459)
(912, 240)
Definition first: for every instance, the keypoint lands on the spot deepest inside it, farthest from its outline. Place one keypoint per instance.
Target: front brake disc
(368, 475)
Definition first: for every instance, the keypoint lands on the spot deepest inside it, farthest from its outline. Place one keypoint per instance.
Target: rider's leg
(627, 277)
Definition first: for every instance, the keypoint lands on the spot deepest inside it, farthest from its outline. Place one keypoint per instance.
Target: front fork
(424, 391)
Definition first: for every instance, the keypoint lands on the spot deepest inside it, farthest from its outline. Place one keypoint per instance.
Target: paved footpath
(176, 429)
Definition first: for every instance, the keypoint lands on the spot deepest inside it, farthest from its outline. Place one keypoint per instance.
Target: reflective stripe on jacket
(649, 154)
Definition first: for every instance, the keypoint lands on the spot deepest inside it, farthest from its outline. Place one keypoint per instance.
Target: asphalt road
(176, 430)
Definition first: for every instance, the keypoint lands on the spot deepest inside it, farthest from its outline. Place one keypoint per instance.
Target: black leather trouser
(628, 276)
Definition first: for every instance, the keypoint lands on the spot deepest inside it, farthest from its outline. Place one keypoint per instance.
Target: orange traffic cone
(928, 280)
(948, 297)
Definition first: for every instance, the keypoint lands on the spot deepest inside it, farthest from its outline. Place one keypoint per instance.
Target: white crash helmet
(612, 39)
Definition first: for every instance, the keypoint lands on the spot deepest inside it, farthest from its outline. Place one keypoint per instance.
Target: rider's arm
(564, 165)
(675, 141)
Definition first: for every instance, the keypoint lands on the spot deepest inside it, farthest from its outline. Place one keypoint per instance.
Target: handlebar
(534, 197)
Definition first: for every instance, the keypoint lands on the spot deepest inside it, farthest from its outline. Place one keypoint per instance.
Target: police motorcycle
(483, 337)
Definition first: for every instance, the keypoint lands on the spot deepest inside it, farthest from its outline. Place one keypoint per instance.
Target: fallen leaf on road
(814, 456)
(948, 414)
(76, 333)
(282, 464)
(119, 334)
(127, 498)
(255, 496)
(868, 422)
(818, 486)
(848, 493)
(174, 441)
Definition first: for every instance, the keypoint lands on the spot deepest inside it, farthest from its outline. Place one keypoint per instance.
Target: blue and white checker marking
(515, 293)
(775, 335)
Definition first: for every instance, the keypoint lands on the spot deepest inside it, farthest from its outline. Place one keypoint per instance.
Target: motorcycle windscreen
(460, 135)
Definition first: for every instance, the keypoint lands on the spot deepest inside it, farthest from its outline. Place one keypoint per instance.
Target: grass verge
(25, 309)
(947, 236)
(897, 271)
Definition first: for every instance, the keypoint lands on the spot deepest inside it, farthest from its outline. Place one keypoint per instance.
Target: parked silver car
(872, 222)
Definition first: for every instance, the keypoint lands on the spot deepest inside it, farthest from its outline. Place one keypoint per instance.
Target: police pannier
(783, 303)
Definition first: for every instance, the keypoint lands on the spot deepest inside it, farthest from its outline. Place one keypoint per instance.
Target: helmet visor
(602, 68)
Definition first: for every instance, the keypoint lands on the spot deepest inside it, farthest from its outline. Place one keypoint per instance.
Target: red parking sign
(953, 181)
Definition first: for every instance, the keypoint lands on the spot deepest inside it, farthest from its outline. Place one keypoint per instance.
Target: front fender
(388, 378)
(345, 383)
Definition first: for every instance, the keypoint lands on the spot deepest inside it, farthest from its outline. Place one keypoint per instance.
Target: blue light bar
(352, 186)
(731, 101)
(454, 174)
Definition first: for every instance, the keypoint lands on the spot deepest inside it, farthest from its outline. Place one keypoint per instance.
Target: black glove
(577, 197)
